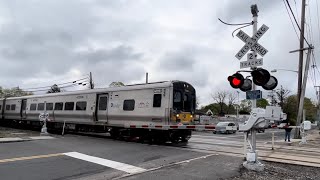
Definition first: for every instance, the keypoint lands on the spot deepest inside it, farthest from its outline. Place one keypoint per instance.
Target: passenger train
(111, 109)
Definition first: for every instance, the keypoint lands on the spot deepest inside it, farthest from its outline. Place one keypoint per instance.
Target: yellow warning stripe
(30, 157)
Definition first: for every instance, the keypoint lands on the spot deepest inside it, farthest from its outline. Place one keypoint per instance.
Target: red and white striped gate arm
(166, 127)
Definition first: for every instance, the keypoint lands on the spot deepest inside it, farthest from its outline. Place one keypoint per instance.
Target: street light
(275, 70)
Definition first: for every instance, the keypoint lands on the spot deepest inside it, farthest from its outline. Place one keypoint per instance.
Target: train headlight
(177, 115)
(191, 116)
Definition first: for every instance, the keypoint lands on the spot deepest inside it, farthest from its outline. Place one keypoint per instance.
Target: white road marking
(41, 137)
(10, 139)
(105, 162)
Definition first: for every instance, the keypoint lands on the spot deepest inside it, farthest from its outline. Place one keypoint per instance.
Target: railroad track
(304, 156)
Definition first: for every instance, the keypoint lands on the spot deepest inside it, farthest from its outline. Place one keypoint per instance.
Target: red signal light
(236, 80)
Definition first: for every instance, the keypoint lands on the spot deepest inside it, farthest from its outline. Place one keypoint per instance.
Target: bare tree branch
(219, 98)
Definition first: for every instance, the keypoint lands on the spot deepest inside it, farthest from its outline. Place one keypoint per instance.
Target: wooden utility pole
(318, 108)
(303, 10)
(91, 81)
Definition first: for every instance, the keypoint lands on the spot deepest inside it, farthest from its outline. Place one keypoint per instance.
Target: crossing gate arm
(167, 127)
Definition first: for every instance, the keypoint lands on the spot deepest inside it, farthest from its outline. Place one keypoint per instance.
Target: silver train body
(160, 103)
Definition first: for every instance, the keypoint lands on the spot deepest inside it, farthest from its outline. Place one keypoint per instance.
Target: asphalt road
(48, 159)
(104, 158)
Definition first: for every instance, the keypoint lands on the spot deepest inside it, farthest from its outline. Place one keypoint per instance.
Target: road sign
(251, 42)
(255, 94)
(250, 56)
(251, 63)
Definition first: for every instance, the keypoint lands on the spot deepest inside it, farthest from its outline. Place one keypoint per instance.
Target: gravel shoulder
(276, 171)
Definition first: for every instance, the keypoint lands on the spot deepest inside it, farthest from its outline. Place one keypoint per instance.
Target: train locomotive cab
(184, 103)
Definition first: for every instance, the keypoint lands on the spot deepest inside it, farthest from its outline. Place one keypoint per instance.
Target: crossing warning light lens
(247, 85)
(271, 84)
(236, 80)
(260, 76)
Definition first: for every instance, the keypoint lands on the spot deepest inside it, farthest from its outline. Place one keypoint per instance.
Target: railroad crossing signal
(252, 61)
(260, 77)
(237, 81)
(252, 42)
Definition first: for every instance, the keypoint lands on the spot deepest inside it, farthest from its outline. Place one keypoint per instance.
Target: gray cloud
(121, 40)
(235, 11)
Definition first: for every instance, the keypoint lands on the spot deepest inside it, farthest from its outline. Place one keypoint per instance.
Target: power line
(56, 84)
(295, 5)
(297, 22)
(291, 20)
(310, 24)
(318, 19)
(57, 80)
(236, 24)
(66, 86)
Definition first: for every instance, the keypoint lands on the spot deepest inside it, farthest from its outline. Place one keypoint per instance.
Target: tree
(231, 102)
(290, 106)
(54, 89)
(219, 98)
(272, 97)
(262, 103)
(282, 95)
(13, 92)
(116, 84)
(245, 107)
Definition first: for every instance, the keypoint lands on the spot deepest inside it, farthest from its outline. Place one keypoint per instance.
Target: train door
(102, 110)
(23, 110)
(49, 109)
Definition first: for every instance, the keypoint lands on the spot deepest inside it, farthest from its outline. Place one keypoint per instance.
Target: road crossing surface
(233, 145)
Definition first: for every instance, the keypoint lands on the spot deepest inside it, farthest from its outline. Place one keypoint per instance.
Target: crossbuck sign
(252, 42)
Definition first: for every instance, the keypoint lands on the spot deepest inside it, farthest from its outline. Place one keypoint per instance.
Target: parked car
(225, 127)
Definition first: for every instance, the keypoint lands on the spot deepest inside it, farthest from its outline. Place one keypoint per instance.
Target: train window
(40, 106)
(103, 103)
(69, 106)
(177, 96)
(157, 100)
(49, 106)
(7, 107)
(33, 107)
(58, 106)
(128, 105)
(13, 107)
(81, 106)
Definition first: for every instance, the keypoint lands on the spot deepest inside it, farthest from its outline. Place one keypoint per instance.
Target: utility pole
(147, 78)
(91, 81)
(318, 110)
(303, 89)
(303, 9)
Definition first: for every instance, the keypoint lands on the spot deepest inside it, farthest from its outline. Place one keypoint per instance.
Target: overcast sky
(44, 42)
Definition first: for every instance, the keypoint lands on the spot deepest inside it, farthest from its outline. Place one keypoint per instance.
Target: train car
(113, 109)
(1, 107)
